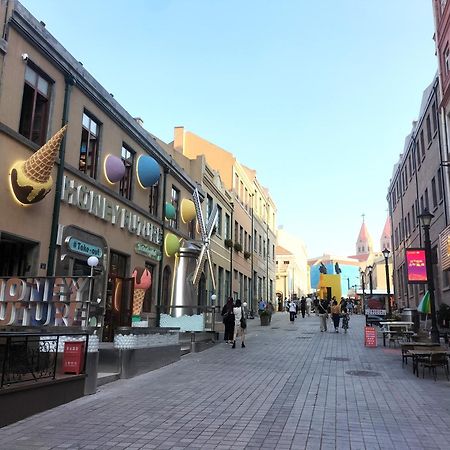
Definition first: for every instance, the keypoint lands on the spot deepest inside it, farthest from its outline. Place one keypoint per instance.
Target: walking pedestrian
(228, 320)
(292, 311)
(240, 324)
(261, 306)
(308, 305)
(335, 314)
(322, 310)
(345, 319)
(303, 306)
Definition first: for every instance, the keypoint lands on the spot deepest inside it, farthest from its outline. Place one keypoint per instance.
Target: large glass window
(153, 198)
(127, 156)
(227, 227)
(35, 106)
(89, 146)
(219, 220)
(175, 200)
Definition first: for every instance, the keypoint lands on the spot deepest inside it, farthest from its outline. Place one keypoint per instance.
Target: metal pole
(388, 286)
(363, 306)
(434, 328)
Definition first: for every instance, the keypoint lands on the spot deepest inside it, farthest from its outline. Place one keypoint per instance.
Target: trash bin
(411, 315)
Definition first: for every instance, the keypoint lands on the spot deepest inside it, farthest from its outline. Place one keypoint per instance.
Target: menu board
(370, 337)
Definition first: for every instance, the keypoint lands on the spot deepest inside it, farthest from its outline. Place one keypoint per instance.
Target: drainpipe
(230, 294)
(253, 303)
(161, 262)
(70, 81)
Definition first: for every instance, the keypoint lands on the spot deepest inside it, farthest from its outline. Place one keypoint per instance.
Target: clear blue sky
(316, 96)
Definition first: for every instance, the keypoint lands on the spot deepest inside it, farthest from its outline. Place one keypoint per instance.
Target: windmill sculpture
(190, 263)
(205, 233)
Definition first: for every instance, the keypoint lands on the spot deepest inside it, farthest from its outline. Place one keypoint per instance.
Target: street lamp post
(386, 254)
(363, 282)
(425, 220)
(370, 269)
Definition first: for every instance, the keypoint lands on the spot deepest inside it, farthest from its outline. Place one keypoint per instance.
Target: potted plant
(247, 255)
(264, 316)
(228, 243)
(238, 246)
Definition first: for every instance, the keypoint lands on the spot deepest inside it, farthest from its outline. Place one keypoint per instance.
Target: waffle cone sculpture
(142, 281)
(31, 180)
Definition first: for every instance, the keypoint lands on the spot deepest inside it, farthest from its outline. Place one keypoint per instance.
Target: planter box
(265, 320)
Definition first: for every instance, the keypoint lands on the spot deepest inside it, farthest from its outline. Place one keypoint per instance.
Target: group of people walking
(337, 311)
(234, 319)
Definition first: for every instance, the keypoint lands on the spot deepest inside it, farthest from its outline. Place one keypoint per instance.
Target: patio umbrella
(425, 306)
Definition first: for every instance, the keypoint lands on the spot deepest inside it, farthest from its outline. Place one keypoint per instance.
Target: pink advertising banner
(416, 265)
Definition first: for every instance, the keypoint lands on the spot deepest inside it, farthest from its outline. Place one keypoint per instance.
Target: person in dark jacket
(228, 321)
(303, 306)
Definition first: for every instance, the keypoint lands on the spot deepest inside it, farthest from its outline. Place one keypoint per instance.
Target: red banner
(370, 337)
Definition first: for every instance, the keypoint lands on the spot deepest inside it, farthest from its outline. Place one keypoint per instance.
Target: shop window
(89, 146)
(153, 199)
(35, 106)
(165, 292)
(148, 305)
(127, 156)
(175, 200)
(219, 221)
(191, 228)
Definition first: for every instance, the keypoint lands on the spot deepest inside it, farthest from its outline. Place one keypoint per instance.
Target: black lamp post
(425, 220)
(370, 269)
(363, 282)
(386, 254)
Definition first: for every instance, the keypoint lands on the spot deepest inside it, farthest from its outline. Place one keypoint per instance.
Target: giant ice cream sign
(31, 180)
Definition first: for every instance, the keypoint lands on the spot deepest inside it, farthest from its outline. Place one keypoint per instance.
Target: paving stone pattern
(286, 390)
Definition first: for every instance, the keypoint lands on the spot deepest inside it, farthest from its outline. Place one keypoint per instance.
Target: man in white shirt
(308, 305)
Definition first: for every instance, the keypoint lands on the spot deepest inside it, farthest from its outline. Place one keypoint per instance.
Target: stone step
(106, 377)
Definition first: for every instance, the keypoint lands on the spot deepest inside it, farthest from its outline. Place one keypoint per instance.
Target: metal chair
(436, 360)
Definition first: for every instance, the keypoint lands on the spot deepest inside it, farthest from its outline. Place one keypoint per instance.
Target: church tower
(364, 244)
(385, 240)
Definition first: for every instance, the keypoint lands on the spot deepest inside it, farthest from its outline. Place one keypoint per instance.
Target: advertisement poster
(375, 305)
(416, 265)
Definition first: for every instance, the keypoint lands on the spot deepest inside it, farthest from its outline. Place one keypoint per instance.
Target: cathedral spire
(364, 244)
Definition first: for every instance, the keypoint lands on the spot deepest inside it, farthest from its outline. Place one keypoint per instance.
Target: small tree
(238, 246)
(228, 243)
(247, 255)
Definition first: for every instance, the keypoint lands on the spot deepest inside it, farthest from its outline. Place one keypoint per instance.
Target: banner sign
(370, 337)
(416, 265)
(46, 301)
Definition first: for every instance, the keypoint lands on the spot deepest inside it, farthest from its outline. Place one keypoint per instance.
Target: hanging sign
(145, 250)
(83, 248)
(370, 337)
(416, 266)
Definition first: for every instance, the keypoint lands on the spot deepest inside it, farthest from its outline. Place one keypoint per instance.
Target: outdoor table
(417, 354)
(407, 334)
(398, 324)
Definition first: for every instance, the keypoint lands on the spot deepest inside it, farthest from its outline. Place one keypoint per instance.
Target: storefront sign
(86, 199)
(44, 301)
(83, 248)
(444, 246)
(416, 265)
(146, 250)
(370, 337)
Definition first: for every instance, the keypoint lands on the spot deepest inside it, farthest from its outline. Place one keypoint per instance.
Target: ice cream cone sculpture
(142, 281)
(31, 180)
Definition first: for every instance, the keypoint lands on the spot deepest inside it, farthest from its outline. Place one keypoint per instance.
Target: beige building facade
(253, 237)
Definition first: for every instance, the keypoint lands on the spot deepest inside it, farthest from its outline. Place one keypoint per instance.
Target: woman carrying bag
(228, 320)
(240, 324)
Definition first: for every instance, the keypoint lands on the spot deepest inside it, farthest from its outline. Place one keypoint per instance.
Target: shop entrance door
(17, 256)
(119, 303)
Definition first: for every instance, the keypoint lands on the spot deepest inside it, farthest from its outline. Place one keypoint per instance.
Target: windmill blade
(211, 271)
(198, 267)
(212, 221)
(199, 212)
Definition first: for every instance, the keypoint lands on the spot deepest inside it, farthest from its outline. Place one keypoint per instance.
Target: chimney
(178, 139)
(139, 121)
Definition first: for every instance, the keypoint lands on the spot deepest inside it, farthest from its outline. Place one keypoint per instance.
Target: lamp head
(425, 218)
(370, 268)
(92, 261)
(386, 252)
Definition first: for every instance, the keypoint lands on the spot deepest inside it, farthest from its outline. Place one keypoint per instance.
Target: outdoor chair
(405, 353)
(435, 360)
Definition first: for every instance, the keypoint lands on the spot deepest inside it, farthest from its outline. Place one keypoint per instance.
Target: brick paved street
(283, 391)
